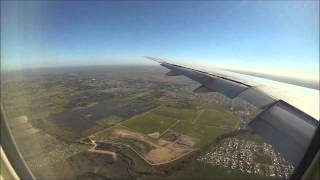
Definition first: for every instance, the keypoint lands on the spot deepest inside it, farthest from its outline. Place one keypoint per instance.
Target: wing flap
(201, 89)
(257, 97)
(287, 129)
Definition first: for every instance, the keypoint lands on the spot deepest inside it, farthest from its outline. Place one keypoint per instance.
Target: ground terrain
(125, 122)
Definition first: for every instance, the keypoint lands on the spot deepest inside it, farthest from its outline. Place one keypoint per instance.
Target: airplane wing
(288, 113)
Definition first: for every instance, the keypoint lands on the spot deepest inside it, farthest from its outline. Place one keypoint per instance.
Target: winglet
(158, 60)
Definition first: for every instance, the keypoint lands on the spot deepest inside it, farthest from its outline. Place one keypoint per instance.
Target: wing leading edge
(287, 128)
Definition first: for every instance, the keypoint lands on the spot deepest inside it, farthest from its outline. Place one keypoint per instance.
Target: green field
(181, 114)
(167, 101)
(149, 123)
(204, 124)
(214, 117)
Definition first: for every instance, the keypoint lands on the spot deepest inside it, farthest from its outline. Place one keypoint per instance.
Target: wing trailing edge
(287, 128)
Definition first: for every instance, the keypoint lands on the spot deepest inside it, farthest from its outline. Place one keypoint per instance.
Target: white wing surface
(289, 113)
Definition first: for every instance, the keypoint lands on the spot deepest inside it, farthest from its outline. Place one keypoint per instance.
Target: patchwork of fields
(149, 118)
(165, 134)
(203, 124)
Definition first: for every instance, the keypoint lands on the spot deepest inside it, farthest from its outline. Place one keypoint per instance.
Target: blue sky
(239, 34)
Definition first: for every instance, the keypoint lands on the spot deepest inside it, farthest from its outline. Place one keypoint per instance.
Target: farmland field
(149, 122)
(150, 135)
(155, 125)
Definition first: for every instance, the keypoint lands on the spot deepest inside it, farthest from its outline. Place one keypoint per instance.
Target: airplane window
(79, 107)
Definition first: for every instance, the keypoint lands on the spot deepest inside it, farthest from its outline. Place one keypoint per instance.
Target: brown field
(154, 151)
